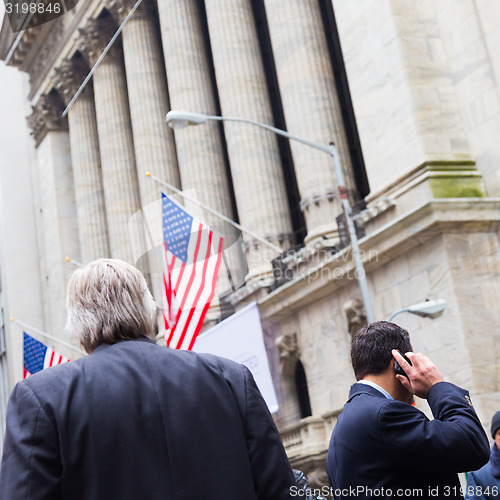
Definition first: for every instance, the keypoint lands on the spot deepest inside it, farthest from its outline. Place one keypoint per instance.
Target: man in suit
(484, 484)
(384, 447)
(135, 420)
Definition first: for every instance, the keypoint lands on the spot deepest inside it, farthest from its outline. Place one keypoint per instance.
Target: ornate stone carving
(95, 37)
(288, 346)
(121, 8)
(69, 76)
(356, 315)
(25, 44)
(48, 47)
(46, 117)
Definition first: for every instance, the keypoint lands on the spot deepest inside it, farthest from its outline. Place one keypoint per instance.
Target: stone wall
(470, 41)
(437, 251)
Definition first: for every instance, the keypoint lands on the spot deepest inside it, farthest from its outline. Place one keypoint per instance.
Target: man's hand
(422, 373)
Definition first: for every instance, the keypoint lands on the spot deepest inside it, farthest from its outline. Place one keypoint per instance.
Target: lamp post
(428, 309)
(181, 119)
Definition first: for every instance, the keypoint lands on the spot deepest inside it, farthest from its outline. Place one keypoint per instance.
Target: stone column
(147, 91)
(311, 108)
(121, 189)
(253, 153)
(153, 139)
(409, 92)
(200, 149)
(57, 202)
(87, 173)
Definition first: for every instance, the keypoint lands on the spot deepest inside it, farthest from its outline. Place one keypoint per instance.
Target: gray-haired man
(135, 420)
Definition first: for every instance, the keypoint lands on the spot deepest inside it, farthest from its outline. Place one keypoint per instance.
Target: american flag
(192, 255)
(38, 356)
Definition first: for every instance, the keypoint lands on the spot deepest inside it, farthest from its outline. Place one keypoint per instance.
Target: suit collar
(142, 338)
(364, 389)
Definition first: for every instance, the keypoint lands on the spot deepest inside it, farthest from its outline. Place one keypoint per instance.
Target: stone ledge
(387, 242)
(306, 442)
(420, 173)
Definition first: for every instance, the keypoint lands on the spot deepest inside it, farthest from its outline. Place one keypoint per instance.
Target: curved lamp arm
(428, 309)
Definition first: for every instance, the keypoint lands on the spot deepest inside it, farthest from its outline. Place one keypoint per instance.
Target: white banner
(240, 338)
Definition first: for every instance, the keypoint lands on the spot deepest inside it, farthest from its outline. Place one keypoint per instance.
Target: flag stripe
(51, 362)
(200, 311)
(199, 291)
(191, 288)
(168, 287)
(180, 272)
(207, 305)
(192, 256)
(192, 303)
(180, 276)
(189, 283)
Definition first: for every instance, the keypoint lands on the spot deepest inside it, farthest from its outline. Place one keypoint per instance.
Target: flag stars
(177, 226)
(34, 354)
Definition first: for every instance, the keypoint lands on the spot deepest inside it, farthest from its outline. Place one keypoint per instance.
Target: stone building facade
(409, 93)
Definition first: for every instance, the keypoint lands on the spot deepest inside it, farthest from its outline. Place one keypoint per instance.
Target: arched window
(302, 391)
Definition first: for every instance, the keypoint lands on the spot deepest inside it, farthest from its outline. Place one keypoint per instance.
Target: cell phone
(398, 369)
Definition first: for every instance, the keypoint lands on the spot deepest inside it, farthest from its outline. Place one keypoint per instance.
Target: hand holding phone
(397, 367)
(420, 375)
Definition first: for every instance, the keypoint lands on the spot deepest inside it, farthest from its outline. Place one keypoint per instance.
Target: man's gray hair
(108, 300)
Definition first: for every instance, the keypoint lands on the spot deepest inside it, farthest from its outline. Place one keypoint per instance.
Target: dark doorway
(302, 391)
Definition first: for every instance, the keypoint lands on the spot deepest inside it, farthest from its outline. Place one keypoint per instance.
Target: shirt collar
(376, 386)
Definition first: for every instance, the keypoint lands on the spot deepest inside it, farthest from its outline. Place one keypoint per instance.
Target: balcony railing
(308, 439)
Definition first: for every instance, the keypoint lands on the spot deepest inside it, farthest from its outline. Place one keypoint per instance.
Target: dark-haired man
(384, 447)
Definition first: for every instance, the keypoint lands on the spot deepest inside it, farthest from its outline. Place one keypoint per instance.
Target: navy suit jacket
(138, 421)
(388, 445)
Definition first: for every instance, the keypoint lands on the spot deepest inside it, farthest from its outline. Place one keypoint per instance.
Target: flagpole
(39, 332)
(101, 57)
(214, 212)
(148, 230)
(228, 271)
(74, 262)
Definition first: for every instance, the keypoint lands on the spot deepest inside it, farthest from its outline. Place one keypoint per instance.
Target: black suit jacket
(389, 445)
(138, 421)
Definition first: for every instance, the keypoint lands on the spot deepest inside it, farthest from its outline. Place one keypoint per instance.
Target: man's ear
(390, 367)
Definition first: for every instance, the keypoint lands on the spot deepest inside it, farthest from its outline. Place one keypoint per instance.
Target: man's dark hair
(372, 345)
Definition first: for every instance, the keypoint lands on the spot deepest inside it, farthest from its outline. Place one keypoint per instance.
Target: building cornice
(420, 173)
(50, 59)
(38, 50)
(395, 238)
(7, 38)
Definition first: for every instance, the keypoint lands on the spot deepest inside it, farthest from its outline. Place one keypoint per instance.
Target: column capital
(46, 117)
(95, 36)
(69, 76)
(121, 8)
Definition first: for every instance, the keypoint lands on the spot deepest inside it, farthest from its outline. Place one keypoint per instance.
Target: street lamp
(181, 119)
(428, 309)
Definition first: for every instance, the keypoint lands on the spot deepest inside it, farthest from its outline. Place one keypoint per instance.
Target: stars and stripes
(38, 356)
(192, 256)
